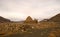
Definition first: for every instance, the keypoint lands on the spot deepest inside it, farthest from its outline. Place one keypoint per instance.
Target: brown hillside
(2, 19)
(55, 18)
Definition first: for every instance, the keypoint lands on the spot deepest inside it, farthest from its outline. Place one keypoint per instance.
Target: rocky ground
(43, 29)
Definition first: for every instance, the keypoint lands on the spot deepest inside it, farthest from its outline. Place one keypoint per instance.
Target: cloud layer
(20, 9)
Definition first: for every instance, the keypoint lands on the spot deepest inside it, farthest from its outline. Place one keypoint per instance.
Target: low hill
(2, 19)
(55, 18)
(30, 20)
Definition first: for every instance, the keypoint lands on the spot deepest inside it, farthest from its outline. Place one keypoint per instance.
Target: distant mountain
(2, 19)
(55, 18)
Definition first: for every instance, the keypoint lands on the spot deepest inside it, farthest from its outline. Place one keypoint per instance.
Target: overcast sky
(19, 9)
